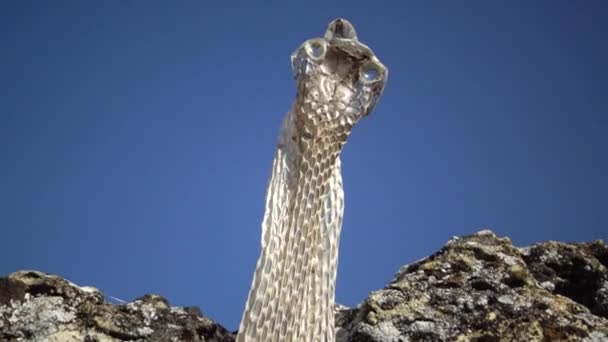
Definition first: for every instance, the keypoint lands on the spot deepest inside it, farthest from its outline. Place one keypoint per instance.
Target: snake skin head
(292, 296)
(338, 78)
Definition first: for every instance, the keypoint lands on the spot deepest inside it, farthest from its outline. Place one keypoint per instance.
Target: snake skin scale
(339, 80)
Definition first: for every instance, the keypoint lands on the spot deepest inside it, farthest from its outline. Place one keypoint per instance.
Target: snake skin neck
(292, 296)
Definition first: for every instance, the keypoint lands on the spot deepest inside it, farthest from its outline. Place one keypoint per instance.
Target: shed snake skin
(292, 296)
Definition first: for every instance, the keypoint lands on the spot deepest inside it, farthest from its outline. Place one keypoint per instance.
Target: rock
(481, 288)
(476, 288)
(39, 307)
(577, 271)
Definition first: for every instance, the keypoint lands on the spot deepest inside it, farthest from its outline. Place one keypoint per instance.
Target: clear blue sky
(136, 137)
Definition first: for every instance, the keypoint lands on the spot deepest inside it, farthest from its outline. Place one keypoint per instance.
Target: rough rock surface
(476, 288)
(38, 307)
(481, 288)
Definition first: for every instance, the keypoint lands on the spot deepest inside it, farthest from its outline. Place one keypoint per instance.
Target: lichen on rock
(482, 288)
(475, 288)
(40, 307)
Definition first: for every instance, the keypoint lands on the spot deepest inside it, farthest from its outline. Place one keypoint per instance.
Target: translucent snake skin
(339, 80)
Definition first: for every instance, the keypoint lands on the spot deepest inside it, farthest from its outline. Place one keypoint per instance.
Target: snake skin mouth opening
(341, 29)
(339, 80)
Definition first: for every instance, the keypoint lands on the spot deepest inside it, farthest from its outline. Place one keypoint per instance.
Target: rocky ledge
(476, 288)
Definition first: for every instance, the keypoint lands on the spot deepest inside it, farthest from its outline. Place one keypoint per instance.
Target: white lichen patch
(145, 331)
(423, 326)
(149, 312)
(45, 315)
(547, 285)
(384, 331)
(87, 289)
(506, 300)
(486, 232)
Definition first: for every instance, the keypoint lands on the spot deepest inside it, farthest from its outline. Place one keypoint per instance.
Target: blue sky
(136, 138)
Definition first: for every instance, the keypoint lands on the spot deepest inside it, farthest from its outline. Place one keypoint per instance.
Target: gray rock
(476, 288)
(40, 307)
(481, 288)
(578, 271)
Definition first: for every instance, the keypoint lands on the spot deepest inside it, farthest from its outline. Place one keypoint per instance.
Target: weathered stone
(476, 288)
(578, 271)
(39, 307)
(481, 288)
